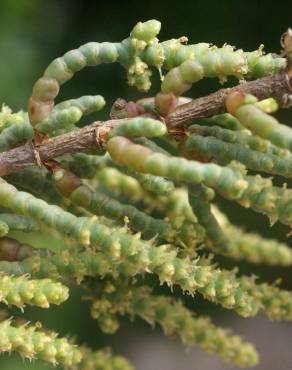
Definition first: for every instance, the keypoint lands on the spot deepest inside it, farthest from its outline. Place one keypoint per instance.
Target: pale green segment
(224, 238)
(52, 216)
(94, 53)
(86, 166)
(139, 126)
(8, 118)
(99, 203)
(66, 264)
(251, 247)
(223, 153)
(176, 205)
(275, 302)
(200, 61)
(62, 69)
(119, 245)
(33, 343)
(60, 119)
(19, 291)
(4, 228)
(92, 160)
(175, 319)
(205, 62)
(141, 51)
(36, 182)
(224, 120)
(17, 132)
(180, 79)
(174, 53)
(119, 183)
(146, 31)
(69, 112)
(21, 223)
(190, 63)
(87, 104)
(265, 126)
(225, 180)
(131, 184)
(272, 201)
(261, 65)
(250, 191)
(216, 238)
(268, 105)
(103, 360)
(210, 282)
(151, 145)
(244, 138)
(155, 184)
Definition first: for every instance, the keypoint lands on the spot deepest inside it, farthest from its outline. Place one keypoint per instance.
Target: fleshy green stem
(32, 343)
(175, 319)
(20, 291)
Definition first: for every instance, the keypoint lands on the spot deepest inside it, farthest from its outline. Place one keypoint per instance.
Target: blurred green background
(33, 32)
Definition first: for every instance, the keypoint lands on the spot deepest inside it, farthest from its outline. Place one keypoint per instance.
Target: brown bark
(207, 106)
(95, 135)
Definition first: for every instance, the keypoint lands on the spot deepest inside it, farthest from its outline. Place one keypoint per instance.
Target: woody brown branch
(207, 106)
(90, 137)
(94, 136)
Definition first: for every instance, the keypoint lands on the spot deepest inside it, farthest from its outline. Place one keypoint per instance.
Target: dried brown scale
(9, 249)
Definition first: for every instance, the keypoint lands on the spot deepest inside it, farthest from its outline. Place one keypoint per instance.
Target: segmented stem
(190, 63)
(21, 223)
(226, 181)
(69, 112)
(17, 132)
(249, 191)
(244, 138)
(175, 319)
(141, 51)
(98, 203)
(103, 359)
(213, 284)
(143, 184)
(276, 303)
(257, 121)
(62, 69)
(216, 238)
(223, 153)
(20, 291)
(32, 343)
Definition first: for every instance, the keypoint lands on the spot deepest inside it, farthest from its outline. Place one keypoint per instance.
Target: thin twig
(277, 86)
(95, 135)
